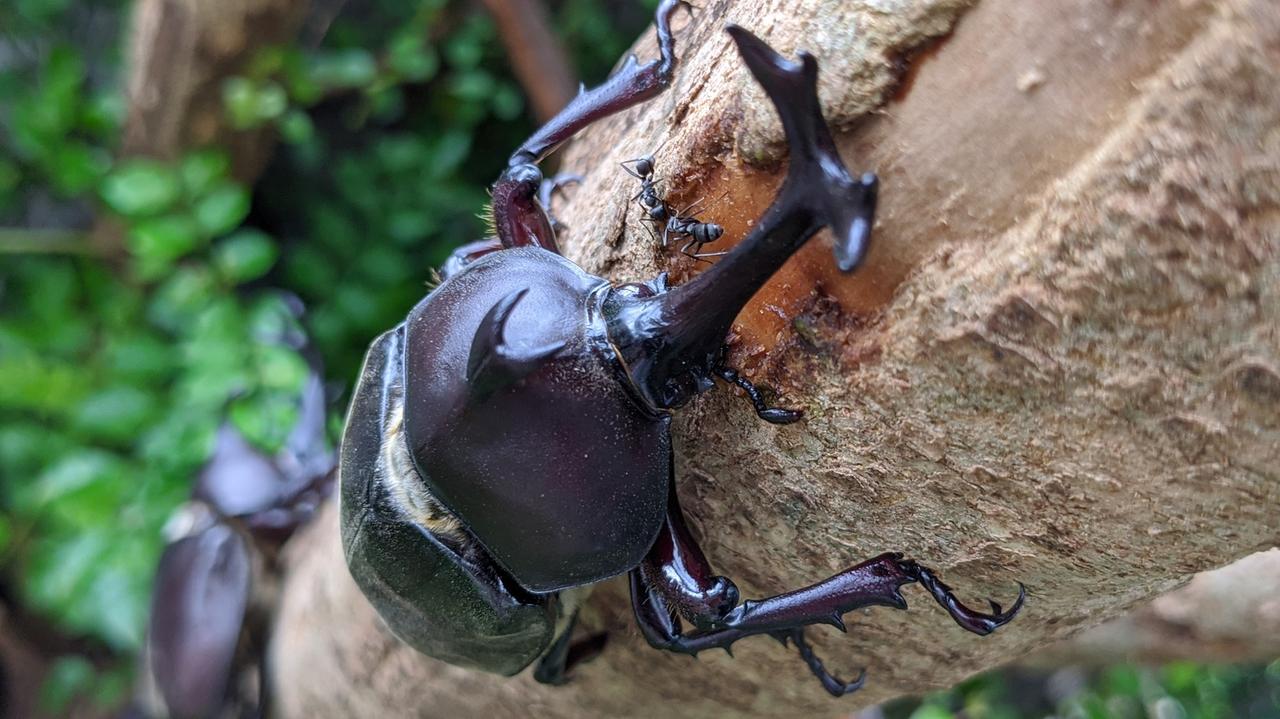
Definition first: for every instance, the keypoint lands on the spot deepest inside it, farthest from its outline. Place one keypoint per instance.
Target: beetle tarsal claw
(980, 623)
(492, 363)
(834, 686)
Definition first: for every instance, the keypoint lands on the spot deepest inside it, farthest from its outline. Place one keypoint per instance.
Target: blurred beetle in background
(215, 586)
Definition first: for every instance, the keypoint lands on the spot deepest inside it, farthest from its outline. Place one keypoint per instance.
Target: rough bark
(1061, 364)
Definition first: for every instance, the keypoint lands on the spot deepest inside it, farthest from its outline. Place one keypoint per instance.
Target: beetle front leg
(772, 415)
(519, 218)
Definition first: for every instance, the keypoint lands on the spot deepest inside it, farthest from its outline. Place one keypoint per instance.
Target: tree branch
(1059, 366)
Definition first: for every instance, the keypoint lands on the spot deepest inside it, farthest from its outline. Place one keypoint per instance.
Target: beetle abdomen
(555, 467)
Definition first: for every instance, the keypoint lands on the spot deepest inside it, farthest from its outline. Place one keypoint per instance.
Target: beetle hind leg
(675, 580)
(835, 687)
(556, 665)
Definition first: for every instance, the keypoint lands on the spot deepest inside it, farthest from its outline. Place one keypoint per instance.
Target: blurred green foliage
(117, 374)
(1181, 690)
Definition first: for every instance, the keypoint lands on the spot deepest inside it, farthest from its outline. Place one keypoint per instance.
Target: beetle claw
(979, 623)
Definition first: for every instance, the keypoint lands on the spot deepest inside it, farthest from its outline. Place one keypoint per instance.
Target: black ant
(674, 223)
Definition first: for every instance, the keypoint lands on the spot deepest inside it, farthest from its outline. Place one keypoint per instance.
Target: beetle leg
(518, 217)
(466, 254)
(875, 582)
(677, 569)
(772, 415)
(565, 654)
(551, 187)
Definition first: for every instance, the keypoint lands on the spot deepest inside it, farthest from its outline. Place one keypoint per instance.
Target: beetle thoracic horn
(667, 339)
(492, 363)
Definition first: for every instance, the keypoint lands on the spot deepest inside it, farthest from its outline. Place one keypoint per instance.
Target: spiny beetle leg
(875, 582)
(518, 217)
(979, 623)
(772, 415)
(835, 687)
(677, 569)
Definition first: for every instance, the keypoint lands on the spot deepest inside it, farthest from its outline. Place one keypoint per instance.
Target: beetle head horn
(494, 364)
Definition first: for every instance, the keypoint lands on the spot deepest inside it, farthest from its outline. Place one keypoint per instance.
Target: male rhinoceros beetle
(510, 442)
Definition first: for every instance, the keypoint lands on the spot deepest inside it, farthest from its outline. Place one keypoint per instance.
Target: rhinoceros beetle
(509, 443)
(213, 587)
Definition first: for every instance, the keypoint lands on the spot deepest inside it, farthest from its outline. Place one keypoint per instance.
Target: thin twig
(27, 241)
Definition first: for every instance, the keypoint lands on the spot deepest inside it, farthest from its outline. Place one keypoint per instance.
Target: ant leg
(772, 415)
(519, 220)
(555, 186)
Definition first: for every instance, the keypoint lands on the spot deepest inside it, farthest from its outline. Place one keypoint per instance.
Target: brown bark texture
(180, 53)
(1060, 364)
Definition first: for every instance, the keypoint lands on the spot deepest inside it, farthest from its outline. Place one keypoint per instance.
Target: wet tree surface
(1060, 365)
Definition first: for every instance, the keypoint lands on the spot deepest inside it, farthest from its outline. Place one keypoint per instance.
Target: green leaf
(281, 368)
(75, 167)
(117, 413)
(265, 418)
(409, 56)
(140, 188)
(349, 68)
(158, 241)
(10, 176)
(222, 209)
(203, 170)
(181, 298)
(245, 255)
(932, 711)
(68, 678)
(74, 473)
(296, 127)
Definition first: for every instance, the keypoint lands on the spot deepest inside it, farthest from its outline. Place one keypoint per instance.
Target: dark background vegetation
(116, 370)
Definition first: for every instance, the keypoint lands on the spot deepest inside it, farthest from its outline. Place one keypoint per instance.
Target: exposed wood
(1061, 364)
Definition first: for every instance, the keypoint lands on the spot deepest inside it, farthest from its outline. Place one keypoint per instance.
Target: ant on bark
(674, 223)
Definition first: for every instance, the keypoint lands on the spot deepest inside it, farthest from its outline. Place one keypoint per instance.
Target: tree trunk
(180, 53)
(1060, 365)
